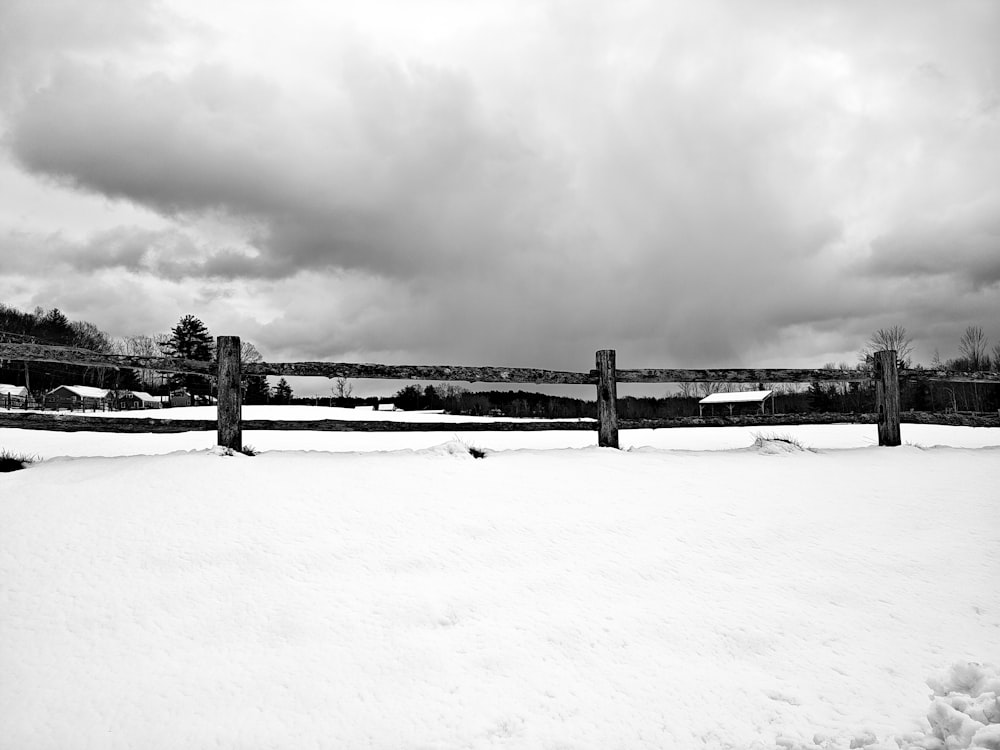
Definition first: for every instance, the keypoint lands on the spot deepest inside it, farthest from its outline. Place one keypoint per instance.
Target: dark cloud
(963, 245)
(693, 188)
(405, 176)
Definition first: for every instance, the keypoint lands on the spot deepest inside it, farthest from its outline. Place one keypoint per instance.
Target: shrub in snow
(456, 448)
(221, 450)
(776, 444)
(14, 461)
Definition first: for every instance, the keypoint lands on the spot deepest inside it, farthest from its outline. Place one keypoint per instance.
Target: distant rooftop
(739, 397)
(84, 391)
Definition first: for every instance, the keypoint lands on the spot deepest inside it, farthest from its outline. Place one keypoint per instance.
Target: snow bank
(776, 445)
(536, 599)
(964, 714)
(966, 708)
(818, 437)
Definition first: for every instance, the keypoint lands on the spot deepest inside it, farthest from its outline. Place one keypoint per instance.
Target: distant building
(136, 400)
(13, 396)
(754, 399)
(180, 397)
(76, 397)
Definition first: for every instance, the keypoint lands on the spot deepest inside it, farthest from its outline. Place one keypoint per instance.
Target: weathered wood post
(227, 349)
(607, 400)
(887, 397)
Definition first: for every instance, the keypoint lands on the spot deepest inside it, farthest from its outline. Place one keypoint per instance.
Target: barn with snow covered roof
(13, 395)
(76, 397)
(741, 398)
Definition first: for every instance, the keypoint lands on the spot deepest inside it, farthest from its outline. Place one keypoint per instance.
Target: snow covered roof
(13, 390)
(84, 391)
(143, 396)
(735, 398)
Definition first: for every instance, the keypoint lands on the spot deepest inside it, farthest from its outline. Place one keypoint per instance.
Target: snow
(703, 589)
(51, 444)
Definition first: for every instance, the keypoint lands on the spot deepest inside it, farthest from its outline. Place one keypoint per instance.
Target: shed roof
(14, 390)
(143, 396)
(739, 397)
(84, 391)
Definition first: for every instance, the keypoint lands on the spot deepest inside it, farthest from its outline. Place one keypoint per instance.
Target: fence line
(69, 355)
(142, 425)
(229, 371)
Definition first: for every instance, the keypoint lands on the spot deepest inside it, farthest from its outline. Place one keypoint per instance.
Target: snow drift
(574, 598)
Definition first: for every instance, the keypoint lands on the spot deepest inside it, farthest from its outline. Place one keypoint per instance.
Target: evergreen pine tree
(256, 390)
(282, 392)
(819, 399)
(54, 328)
(190, 339)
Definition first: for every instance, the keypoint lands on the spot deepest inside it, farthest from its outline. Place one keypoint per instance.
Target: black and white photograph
(481, 375)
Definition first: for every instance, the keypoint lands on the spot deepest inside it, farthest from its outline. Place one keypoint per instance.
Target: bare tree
(342, 388)
(973, 346)
(687, 390)
(249, 353)
(707, 389)
(996, 357)
(88, 336)
(255, 387)
(895, 338)
(140, 346)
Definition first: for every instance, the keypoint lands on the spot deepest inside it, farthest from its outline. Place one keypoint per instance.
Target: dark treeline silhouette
(455, 400)
(53, 327)
(829, 398)
(191, 339)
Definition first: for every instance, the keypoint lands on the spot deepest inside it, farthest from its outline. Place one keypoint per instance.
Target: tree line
(191, 339)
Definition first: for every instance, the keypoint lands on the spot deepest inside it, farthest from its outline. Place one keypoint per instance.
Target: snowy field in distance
(50, 444)
(160, 595)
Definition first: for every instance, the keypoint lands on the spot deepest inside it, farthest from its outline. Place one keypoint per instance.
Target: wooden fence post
(607, 400)
(230, 398)
(887, 397)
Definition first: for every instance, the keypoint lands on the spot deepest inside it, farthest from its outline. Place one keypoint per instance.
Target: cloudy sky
(513, 182)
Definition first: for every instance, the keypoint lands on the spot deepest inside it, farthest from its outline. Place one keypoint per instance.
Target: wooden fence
(228, 370)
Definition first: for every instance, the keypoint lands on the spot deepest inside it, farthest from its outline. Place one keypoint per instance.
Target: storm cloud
(701, 184)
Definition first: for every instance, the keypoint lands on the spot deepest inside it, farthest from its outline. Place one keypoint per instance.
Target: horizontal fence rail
(78, 423)
(228, 371)
(68, 355)
(137, 425)
(514, 375)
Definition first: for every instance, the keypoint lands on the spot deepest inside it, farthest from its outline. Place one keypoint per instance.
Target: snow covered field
(351, 590)
(50, 444)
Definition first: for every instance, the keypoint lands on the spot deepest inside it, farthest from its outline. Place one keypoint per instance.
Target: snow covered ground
(49, 444)
(349, 590)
